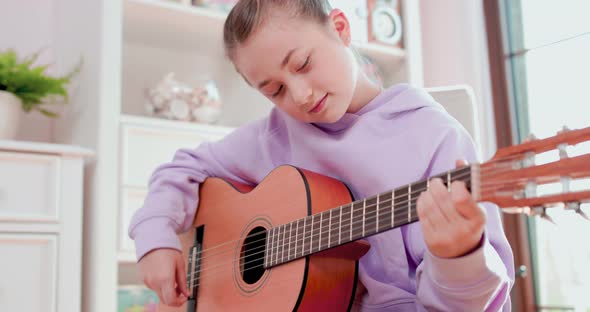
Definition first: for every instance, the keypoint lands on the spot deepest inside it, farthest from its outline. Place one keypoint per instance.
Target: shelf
(155, 123)
(181, 27)
(172, 25)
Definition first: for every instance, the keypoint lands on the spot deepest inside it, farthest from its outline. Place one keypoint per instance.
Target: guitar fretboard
(347, 223)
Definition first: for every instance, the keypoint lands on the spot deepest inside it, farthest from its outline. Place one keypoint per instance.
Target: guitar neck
(357, 220)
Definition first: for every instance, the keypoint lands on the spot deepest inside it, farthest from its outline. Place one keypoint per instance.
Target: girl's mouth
(319, 105)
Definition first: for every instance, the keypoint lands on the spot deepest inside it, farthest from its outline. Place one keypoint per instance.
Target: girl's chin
(330, 117)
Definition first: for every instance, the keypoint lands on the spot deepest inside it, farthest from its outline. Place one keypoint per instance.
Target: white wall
(455, 52)
(28, 26)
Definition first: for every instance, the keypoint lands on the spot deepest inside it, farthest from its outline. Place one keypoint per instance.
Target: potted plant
(26, 86)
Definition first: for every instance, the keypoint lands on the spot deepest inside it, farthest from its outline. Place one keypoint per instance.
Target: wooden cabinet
(41, 189)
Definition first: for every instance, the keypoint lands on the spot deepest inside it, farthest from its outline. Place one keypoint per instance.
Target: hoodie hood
(398, 99)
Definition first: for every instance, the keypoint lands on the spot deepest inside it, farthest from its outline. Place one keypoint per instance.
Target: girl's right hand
(163, 271)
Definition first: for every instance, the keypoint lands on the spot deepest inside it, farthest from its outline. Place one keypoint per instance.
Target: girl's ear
(340, 24)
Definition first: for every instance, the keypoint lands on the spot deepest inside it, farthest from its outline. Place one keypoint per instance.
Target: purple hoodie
(400, 137)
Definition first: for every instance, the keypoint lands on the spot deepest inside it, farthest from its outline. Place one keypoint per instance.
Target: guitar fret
(345, 223)
(340, 227)
(383, 211)
(272, 245)
(304, 236)
(351, 221)
(278, 245)
(357, 223)
(330, 228)
(334, 227)
(265, 250)
(364, 216)
(296, 237)
(321, 230)
(371, 216)
(311, 236)
(283, 244)
(318, 233)
(409, 201)
(392, 208)
(289, 246)
(378, 215)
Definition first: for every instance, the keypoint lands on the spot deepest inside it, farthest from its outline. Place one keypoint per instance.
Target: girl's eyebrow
(287, 57)
(283, 64)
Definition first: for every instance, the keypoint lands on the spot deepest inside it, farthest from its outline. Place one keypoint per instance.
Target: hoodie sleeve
(170, 205)
(478, 281)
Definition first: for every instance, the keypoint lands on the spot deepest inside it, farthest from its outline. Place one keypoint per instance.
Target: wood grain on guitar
(293, 241)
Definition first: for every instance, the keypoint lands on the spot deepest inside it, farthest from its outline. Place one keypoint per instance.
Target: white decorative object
(10, 108)
(385, 23)
(41, 196)
(175, 100)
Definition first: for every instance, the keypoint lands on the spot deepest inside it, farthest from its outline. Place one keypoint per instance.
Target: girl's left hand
(452, 222)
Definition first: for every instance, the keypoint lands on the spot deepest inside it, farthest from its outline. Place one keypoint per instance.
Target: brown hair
(247, 15)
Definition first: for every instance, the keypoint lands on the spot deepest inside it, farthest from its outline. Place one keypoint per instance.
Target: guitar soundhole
(252, 257)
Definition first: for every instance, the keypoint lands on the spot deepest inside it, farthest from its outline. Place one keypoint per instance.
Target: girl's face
(303, 67)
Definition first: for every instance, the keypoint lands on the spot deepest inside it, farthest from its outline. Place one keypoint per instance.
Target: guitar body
(228, 212)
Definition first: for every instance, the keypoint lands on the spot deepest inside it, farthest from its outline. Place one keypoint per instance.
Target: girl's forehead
(268, 46)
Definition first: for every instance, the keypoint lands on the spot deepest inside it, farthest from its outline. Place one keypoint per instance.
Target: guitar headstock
(516, 181)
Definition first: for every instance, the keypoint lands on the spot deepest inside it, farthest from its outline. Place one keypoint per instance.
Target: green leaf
(48, 113)
(31, 83)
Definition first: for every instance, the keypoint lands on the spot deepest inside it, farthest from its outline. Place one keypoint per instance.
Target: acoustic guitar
(293, 241)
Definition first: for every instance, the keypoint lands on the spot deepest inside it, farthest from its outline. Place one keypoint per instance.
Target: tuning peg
(575, 206)
(530, 137)
(564, 129)
(542, 212)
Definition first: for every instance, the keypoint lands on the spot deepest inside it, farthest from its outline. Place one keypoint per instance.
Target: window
(546, 56)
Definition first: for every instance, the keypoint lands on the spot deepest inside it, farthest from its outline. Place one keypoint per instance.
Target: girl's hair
(247, 15)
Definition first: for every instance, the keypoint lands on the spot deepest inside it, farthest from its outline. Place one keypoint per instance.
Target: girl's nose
(302, 94)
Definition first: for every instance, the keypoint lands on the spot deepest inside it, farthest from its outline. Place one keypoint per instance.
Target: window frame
(506, 118)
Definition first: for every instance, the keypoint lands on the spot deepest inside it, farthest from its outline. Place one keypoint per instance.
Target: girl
(329, 118)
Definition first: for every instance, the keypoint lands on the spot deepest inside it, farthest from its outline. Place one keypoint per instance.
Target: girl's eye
(278, 91)
(304, 65)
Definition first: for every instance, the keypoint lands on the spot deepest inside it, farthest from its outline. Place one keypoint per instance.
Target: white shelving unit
(127, 46)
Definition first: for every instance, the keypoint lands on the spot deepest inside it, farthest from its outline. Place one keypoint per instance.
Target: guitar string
(286, 244)
(402, 212)
(482, 190)
(383, 202)
(329, 229)
(396, 198)
(254, 267)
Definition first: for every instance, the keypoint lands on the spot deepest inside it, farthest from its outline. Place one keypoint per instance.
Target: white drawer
(29, 186)
(131, 200)
(28, 268)
(144, 149)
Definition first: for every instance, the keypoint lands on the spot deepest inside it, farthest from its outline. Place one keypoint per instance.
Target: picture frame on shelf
(385, 25)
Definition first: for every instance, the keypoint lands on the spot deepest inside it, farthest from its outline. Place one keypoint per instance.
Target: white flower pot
(10, 108)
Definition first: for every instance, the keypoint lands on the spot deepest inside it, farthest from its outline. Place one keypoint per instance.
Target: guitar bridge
(194, 269)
